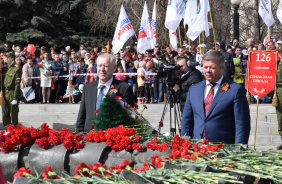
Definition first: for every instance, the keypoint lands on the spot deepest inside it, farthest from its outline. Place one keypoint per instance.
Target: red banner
(262, 69)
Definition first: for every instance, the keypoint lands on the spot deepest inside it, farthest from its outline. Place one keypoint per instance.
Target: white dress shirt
(215, 88)
(106, 88)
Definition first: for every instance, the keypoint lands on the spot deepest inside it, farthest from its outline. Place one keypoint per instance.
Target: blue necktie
(100, 97)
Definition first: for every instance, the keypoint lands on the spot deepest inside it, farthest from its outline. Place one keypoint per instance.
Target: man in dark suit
(91, 96)
(216, 108)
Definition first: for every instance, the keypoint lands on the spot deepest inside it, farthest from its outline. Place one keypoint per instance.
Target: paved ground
(60, 115)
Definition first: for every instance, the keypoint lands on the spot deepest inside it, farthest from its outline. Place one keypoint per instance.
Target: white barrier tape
(85, 74)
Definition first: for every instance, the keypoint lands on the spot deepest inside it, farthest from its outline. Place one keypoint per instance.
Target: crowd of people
(45, 63)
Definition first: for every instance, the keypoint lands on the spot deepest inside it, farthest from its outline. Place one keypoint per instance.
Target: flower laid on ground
(155, 146)
(43, 137)
(118, 138)
(22, 172)
(49, 174)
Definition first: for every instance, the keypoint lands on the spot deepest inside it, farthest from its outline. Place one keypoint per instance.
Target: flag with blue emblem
(174, 13)
(201, 23)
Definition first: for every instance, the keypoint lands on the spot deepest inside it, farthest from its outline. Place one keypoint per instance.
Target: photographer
(190, 75)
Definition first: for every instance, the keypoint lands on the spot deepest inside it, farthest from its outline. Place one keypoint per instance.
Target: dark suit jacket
(228, 119)
(86, 114)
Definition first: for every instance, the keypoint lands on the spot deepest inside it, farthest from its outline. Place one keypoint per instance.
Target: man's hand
(36, 83)
(153, 85)
(65, 69)
(48, 72)
(176, 87)
(14, 102)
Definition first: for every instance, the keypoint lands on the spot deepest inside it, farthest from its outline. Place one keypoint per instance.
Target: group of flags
(266, 13)
(147, 38)
(195, 14)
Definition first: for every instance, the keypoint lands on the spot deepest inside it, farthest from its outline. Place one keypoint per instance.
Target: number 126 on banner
(261, 72)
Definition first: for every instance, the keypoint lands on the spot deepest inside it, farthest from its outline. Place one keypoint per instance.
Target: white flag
(279, 11)
(154, 26)
(173, 39)
(174, 13)
(190, 12)
(265, 12)
(201, 23)
(145, 33)
(124, 31)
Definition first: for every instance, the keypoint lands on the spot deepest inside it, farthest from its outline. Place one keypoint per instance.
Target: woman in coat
(45, 74)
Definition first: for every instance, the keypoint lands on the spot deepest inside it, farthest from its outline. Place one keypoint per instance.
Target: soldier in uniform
(279, 94)
(11, 89)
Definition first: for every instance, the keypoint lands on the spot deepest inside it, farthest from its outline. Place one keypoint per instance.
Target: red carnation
(68, 144)
(161, 124)
(156, 161)
(154, 132)
(97, 111)
(78, 137)
(135, 106)
(145, 106)
(84, 169)
(49, 174)
(22, 172)
(163, 147)
(136, 147)
(79, 145)
(90, 136)
(205, 141)
(43, 142)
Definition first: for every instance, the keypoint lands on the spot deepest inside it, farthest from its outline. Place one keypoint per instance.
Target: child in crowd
(149, 82)
(140, 82)
(131, 78)
(120, 73)
(66, 96)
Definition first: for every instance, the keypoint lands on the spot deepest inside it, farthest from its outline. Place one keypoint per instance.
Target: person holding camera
(190, 75)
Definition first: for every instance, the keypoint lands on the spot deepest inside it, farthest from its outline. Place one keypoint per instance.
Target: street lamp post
(235, 5)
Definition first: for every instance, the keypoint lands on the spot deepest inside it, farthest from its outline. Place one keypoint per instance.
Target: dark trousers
(141, 91)
(38, 93)
(149, 92)
(158, 90)
(61, 87)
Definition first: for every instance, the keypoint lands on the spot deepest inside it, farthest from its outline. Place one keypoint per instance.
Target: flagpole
(179, 36)
(268, 34)
(203, 35)
(213, 32)
(189, 44)
(200, 44)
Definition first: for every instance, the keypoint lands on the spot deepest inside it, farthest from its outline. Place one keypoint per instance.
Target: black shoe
(279, 147)
(56, 102)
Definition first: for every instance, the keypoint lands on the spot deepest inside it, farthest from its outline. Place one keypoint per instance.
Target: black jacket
(86, 114)
(229, 67)
(193, 77)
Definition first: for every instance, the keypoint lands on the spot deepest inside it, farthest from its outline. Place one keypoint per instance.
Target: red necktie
(209, 98)
(208, 102)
